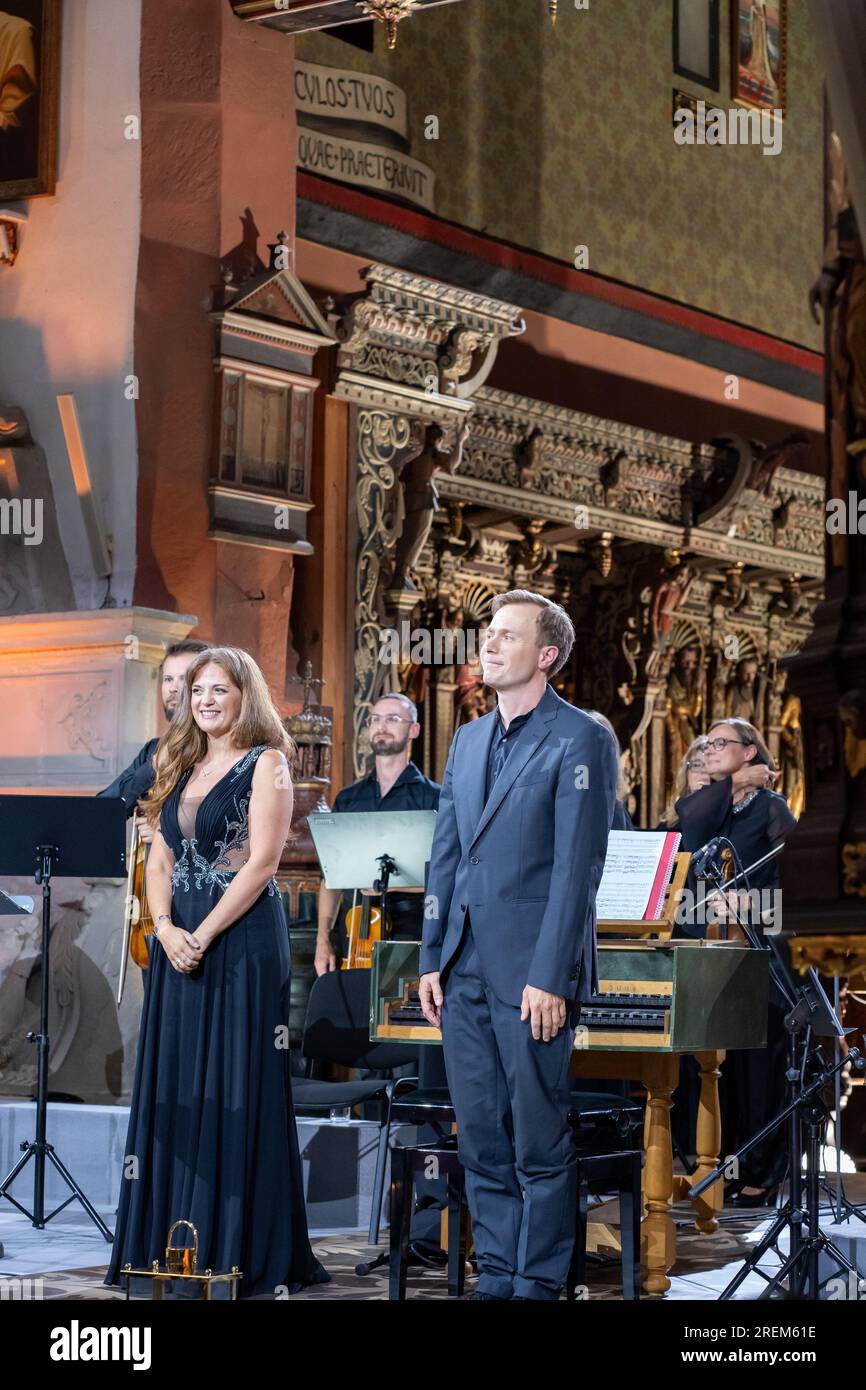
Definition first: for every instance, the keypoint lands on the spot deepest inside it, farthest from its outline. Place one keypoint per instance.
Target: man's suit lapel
(476, 769)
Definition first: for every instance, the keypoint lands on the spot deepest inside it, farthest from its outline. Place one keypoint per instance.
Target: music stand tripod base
(76, 837)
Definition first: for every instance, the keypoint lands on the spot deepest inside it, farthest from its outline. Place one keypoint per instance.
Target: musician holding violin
(133, 784)
(135, 781)
(738, 804)
(395, 784)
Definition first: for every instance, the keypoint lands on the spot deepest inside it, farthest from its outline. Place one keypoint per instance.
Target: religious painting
(758, 53)
(29, 81)
(696, 41)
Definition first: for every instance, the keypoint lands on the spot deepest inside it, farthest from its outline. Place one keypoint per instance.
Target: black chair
(409, 1161)
(424, 1106)
(337, 1030)
(607, 1135)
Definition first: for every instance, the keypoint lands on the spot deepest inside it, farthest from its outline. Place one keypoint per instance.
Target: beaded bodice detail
(209, 835)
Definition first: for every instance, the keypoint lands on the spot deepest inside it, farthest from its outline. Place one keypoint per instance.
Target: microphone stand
(839, 1198)
(387, 867)
(806, 1108)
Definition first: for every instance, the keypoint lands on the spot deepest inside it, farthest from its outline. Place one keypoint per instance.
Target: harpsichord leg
(660, 1074)
(709, 1138)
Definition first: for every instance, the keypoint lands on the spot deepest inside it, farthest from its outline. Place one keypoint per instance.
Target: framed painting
(696, 41)
(29, 83)
(758, 53)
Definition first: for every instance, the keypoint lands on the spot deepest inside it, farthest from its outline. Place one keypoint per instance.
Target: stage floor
(69, 1258)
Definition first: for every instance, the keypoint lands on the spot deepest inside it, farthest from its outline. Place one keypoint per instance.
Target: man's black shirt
(411, 792)
(501, 745)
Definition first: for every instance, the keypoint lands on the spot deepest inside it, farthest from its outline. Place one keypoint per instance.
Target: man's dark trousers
(511, 1098)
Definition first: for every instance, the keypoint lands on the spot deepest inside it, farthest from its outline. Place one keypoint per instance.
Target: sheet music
(629, 873)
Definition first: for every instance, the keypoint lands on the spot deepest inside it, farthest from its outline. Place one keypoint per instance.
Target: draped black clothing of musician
(758, 824)
(135, 781)
(753, 1086)
(211, 1123)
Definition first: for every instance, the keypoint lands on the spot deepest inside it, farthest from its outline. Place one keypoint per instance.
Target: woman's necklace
(746, 801)
(203, 772)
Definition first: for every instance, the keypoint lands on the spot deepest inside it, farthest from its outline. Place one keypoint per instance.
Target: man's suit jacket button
(462, 907)
(474, 859)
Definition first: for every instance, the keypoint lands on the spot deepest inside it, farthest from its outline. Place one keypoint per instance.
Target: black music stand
(14, 907)
(72, 837)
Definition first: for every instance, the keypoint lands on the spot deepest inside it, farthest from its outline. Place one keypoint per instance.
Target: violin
(137, 921)
(363, 926)
(734, 931)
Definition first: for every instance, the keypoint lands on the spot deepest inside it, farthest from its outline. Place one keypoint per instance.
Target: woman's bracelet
(163, 917)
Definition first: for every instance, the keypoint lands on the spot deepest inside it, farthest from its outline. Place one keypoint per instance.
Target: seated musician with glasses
(394, 784)
(739, 804)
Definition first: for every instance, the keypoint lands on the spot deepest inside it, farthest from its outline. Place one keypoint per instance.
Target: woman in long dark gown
(739, 805)
(211, 1127)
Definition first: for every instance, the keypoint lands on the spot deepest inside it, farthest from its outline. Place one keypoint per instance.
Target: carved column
(413, 352)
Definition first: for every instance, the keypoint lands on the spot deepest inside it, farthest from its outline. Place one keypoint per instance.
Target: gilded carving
(854, 869)
(852, 714)
(384, 443)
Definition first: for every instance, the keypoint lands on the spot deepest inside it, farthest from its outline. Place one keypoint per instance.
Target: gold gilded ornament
(389, 13)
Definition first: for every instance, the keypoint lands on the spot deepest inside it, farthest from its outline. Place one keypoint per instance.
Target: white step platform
(338, 1155)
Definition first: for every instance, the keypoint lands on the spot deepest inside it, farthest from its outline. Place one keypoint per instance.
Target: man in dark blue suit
(509, 942)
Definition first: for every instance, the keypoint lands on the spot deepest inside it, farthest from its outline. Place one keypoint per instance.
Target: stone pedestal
(79, 690)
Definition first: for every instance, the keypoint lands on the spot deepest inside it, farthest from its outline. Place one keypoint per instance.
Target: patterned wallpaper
(557, 138)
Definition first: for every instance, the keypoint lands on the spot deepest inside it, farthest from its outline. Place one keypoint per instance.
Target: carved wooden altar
(690, 570)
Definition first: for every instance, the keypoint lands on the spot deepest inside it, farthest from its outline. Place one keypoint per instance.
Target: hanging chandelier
(389, 13)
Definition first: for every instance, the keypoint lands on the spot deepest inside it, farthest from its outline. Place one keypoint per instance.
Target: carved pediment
(278, 297)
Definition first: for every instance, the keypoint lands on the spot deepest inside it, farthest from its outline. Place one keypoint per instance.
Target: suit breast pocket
(538, 783)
